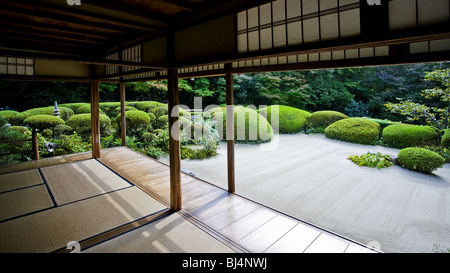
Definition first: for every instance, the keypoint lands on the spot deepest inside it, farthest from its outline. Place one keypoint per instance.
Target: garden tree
(327, 90)
(435, 114)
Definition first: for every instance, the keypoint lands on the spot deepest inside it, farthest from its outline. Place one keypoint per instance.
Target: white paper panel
(433, 11)
(279, 36)
(311, 29)
(265, 14)
(266, 38)
(350, 23)
(329, 27)
(293, 8)
(440, 45)
(253, 17)
(294, 33)
(328, 4)
(279, 11)
(253, 41)
(402, 14)
(419, 47)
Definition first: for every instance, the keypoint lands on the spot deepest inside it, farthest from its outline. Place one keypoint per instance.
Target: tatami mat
(78, 180)
(172, 234)
(52, 229)
(19, 180)
(23, 201)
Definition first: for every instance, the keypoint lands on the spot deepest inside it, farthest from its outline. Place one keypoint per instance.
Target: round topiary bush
(162, 121)
(445, 141)
(323, 119)
(404, 135)
(18, 132)
(86, 108)
(62, 129)
(355, 130)
(421, 160)
(65, 114)
(136, 120)
(290, 119)
(8, 114)
(42, 122)
(81, 123)
(249, 125)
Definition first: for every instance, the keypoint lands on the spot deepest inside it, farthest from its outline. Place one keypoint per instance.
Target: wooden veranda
(126, 41)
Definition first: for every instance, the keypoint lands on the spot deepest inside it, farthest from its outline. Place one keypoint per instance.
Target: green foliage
(355, 130)
(62, 129)
(162, 121)
(357, 109)
(86, 108)
(65, 114)
(372, 160)
(136, 120)
(8, 114)
(148, 106)
(404, 135)
(325, 118)
(290, 120)
(445, 141)
(383, 122)
(249, 125)
(47, 133)
(42, 122)
(414, 111)
(442, 151)
(72, 144)
(73, 106)
(81, 123)
(420, 160)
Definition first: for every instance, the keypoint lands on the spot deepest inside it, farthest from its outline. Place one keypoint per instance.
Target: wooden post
(35, 144)
(123, 127)
(95, 119)
(230, 129)
(174, 140)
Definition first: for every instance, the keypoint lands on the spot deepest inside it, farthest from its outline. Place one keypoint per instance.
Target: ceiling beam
(80, 15)
(186, 6)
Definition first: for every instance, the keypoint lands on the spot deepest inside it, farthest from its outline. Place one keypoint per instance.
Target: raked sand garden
(310, 177)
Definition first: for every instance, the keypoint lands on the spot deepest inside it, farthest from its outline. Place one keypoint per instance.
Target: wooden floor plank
(296, 240)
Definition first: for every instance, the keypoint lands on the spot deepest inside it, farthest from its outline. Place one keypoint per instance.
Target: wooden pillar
(174, 140)
(123, 127)
(95, 119)
(230, 130)
(35, 144)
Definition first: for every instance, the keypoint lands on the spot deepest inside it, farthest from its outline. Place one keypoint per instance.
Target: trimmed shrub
(420, 160)
(65, 114)
(147, 106)
(8, 114)
(162, 121)
(74, 106)
(47, 133)
(81, 123)
(136, 120)
(62, 129)
(355, 130)
(42, 122)
(247, 124)
(290, 119)
(323, 119)
(18, 132)
(404, 135)
(86, 108)
(445, 141)
(383, 122)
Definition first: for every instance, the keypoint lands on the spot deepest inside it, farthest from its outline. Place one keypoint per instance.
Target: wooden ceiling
(90, 30)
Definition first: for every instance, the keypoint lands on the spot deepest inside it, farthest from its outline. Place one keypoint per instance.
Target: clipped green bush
(290, 119)
(8, 114)
(86, 108)
(47, 133)
(405, 135)
(355, 130)
(323, 119)
(65, 114)
(445, 141)
(147, 106)
(249, 125)
(383, 122)
(74, 106)
(162, 121)
(136, 120)
(62, 129)
(81, 123)
(42, 122)
(420, 160)
(18, 132)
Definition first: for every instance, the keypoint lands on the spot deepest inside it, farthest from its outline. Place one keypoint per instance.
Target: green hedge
(420, 160)
(86, 108)
(8, 114)
(248, 131)
(290, 119)
(445, 141)
(65, 113)
(404, 135)
(323, 119)
(355, 130)
(42, 122)
(81, 123)
(136, 120)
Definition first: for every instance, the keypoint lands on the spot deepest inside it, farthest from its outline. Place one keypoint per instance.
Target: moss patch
(354, 130)
(290, 119)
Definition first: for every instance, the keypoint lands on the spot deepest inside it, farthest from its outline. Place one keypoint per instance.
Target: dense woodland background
(353, 91)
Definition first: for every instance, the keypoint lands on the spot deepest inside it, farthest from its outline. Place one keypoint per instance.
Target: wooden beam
(95, 119)
(230, 128)
(174, 140)
(123, 126)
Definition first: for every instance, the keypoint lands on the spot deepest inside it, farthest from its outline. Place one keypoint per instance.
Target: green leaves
(371, 160)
